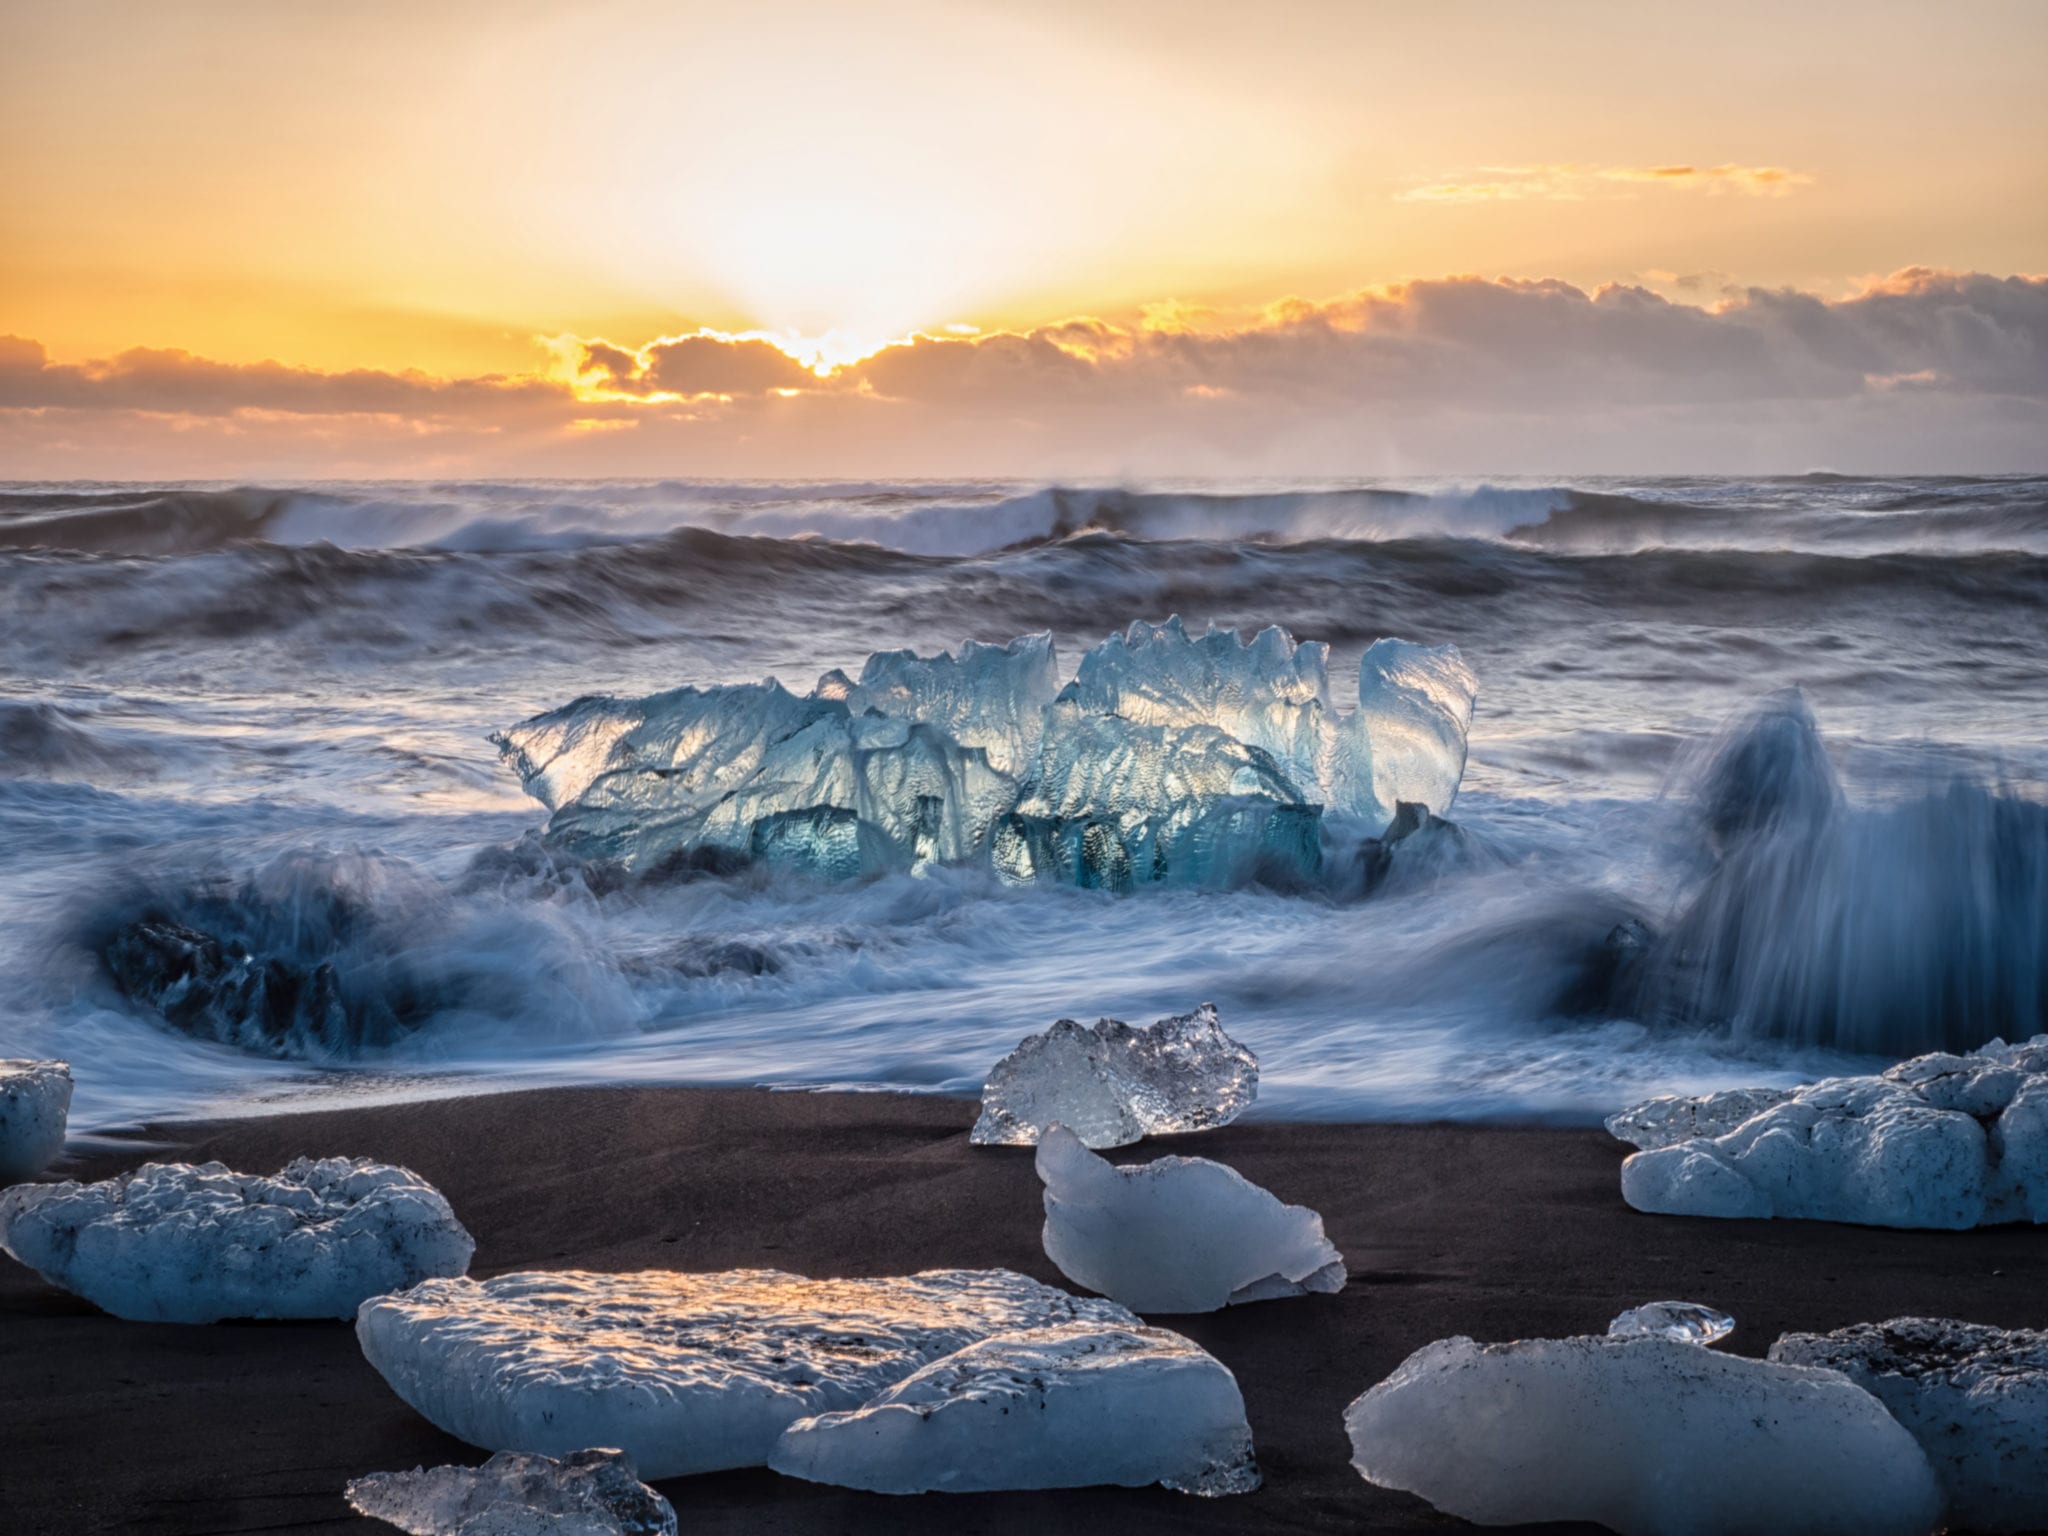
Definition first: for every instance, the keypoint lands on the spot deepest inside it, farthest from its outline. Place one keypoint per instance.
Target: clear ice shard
(1670, 1118)
(1166, 759)
(35, 1100)
(1646, 1436)
(178, 1243)
(1406, 740)
(587, 1493)
(1941, 1141)
(1688, 1322)
(686, 1373)
(1975, 1397)
(1112, 1085)
(1271, 694)
(1113, 804)
(1182, 1234)
(990, 697)
(1075, 1406)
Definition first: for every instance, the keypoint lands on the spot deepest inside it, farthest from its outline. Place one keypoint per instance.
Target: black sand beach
(1496, 1232)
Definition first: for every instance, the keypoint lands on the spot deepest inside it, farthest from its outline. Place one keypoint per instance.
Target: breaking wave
(970, 519)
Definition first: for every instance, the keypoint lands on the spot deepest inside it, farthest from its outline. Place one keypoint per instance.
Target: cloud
(1577, 183)
(707, 363)
(1923, 369)
(169, 380)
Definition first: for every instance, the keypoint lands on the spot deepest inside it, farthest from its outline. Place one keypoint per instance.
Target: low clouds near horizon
(1924, 370)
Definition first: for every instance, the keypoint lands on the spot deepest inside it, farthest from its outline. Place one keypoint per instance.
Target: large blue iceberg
(1167, 759)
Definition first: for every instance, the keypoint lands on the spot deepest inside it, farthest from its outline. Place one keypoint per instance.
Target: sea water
(211, 689)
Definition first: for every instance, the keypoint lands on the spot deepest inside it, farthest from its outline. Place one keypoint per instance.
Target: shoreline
(1493, 1230)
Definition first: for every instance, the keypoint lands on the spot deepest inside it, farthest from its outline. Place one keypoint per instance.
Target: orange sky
(445, 187)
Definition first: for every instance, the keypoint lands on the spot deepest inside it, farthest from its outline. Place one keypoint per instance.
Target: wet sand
(1496, 1232)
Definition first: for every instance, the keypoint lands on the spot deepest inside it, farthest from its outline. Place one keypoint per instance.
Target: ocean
(270, 704)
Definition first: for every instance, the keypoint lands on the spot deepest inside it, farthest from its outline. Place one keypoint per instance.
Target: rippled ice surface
(196, 681)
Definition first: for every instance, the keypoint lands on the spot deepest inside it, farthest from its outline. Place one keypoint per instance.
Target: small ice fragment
(1111, 1084)
(1075, 1406)
(174, 1243)
(1939, 1141)
(588, 1493)
(1182, 1234)
(1645, 1435)
(686, 1372)
(1975, 1397)
(1689, 1322)
(35, 1098)
(1662, 1121)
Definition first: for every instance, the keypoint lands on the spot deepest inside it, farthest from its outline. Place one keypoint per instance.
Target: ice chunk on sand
(1111, 1084)
(1689, 1322)
(1182, 1234)
(1406, 740)
(588, 1493)
(686, 1372)
(35, 1098)
(1646, 1436)
(175, 1243)
(1670, 1118)
(1939, 1141)
(1113, 804)
(1976, 1398)
(1076, 1406)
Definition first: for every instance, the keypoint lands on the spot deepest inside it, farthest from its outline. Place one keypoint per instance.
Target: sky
(805, 238)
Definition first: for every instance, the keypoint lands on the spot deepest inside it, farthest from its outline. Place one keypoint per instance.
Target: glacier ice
(992, 697)
(1078, 1405)
(754, 773)
(1647, 1436)
(1112, 1085)
(1074, 1406)
(587, 1493)
(1406, 739)
(1941, 1140)
(1168, 758)
(178, 1243)
(1182, 1234)
(35, 1099)
(1272, 694)
(1113, 804)
(1975, 1397)
(1689, 1322)
(685, 1372)
(1670, 1117)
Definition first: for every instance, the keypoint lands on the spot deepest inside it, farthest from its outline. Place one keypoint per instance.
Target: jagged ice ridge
(1167, 759)
(1110, 1084)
